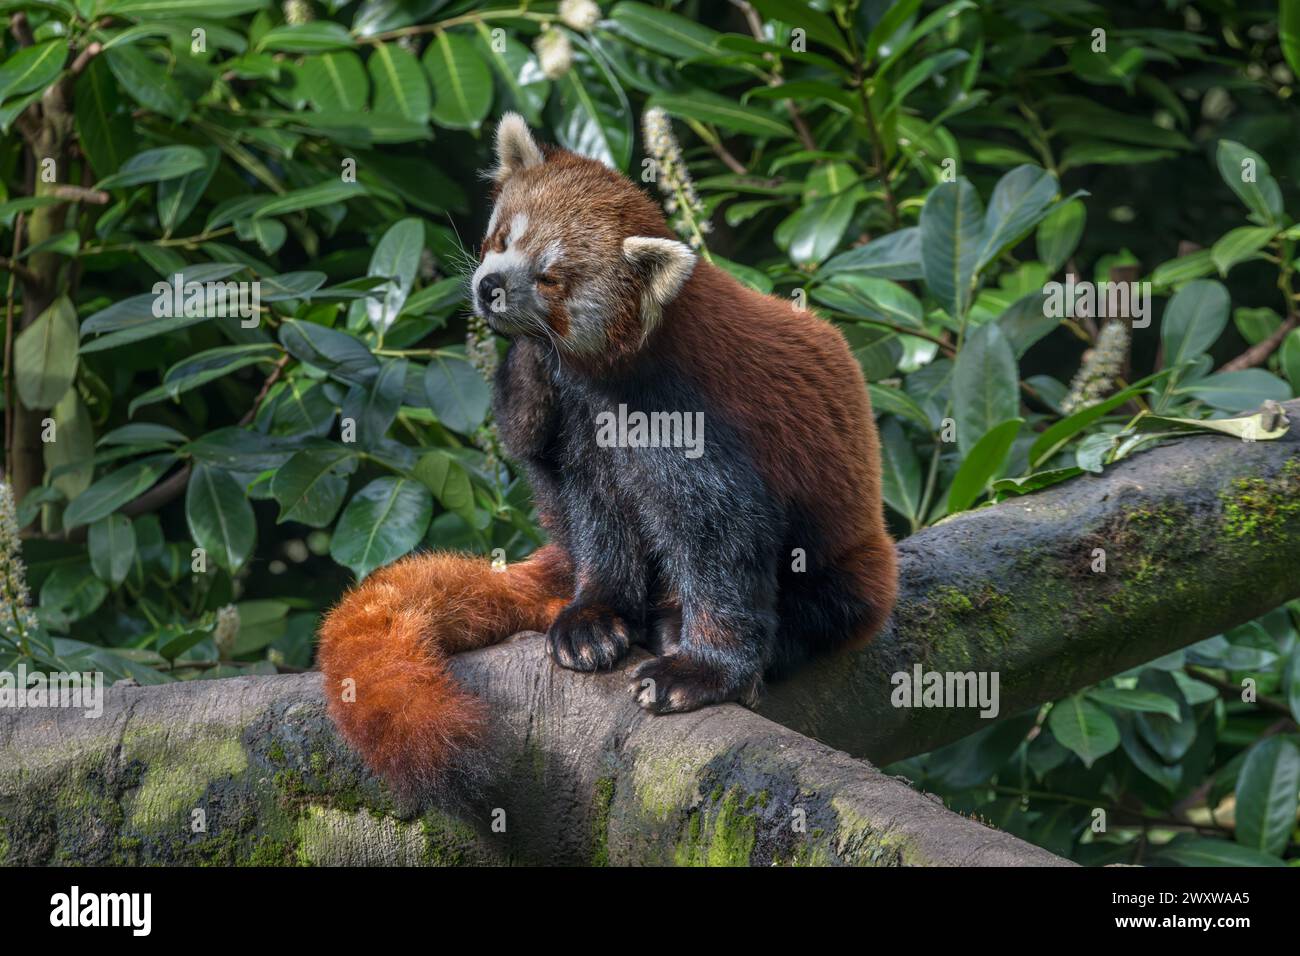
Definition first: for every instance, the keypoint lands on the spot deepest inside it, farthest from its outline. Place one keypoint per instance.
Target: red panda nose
(487, 285)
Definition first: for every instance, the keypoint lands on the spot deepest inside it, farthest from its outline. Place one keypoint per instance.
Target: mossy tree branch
(581, 775)
(1198, 535)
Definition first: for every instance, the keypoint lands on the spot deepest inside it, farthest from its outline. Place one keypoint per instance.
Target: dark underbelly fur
(695, 557)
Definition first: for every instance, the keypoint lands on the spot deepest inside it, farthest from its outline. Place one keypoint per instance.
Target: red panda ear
(516, 148)
(664, 266)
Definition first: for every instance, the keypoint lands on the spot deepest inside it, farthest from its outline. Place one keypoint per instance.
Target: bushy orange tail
(384, 650)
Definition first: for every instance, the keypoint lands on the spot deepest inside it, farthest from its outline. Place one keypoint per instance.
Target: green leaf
(951, 240)
(985, 385)
(595, 118)
(663, 32)
(220, 517)
(103, 129)
(708, 107)
(813, 231)
(1289, 33)
(1290, 359)
(521, 76)
(112, 548)
(46, 355)
(1054, 438)
(1255, 325)
(373, 408)
(116, 489)
(893, 256)
(178, 197)
(32, 68)
(310, 486)
(148, 83)
(310, 37)
(456, 392)
(892, 401)
(1171, 738)
(1193, 321)
(269, 234)
(462, 83)
(1204, 851)
(892, 49)
(341, 355)
(1059, 234)
(380, 16)
(896, 18)
(1012, 487)
(152, 165)
(1083, 728)
(170, 9)
(204, 367)
(442, 295)
(72, 592)
(240, 449)
(1247, 175)
(1184, 268)
(1239, 391)
(1291, 681)
(69, 459)
(1262, 426)
(982, 464)
(1019, 202)
(1141, 701)
(1026, 321)
(336, 82)
(866, 297)
(399, 82)
(382, 522)
(322, 194)
(397, 257)
(1239, 245)
(900, 477)
(449, 482)
(142, 433)
(1267, 792)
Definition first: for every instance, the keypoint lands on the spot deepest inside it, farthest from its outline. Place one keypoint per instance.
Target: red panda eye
(547, 279)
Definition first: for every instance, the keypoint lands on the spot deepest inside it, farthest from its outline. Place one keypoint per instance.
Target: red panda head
(574, 252)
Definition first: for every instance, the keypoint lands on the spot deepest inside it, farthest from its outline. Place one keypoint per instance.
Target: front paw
(678, 682)
(588, 637)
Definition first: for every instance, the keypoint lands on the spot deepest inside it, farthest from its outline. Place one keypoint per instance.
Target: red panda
(760, 545)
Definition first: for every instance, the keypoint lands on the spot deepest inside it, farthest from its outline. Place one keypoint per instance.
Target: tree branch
(1261, 350)
(1196, 536)
(582, 775)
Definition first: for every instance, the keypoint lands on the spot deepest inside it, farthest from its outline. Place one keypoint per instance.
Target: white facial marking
(518, 226)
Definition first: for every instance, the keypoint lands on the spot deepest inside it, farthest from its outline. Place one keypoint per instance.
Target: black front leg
(718, 534)
(526, 406)
(608, 612)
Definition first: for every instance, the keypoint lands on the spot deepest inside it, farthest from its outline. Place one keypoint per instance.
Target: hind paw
(678, 682)
(588, 637)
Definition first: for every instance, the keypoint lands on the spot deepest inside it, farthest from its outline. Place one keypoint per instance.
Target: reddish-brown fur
(783, 378)
(392, 636)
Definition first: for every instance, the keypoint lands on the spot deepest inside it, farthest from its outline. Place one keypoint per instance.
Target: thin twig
(1260, 351)
(78, 194)
(9, 352)
(266, 387)
(755, 23)
(13, 267)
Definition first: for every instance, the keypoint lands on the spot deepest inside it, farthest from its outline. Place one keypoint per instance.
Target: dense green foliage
(917, 171)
